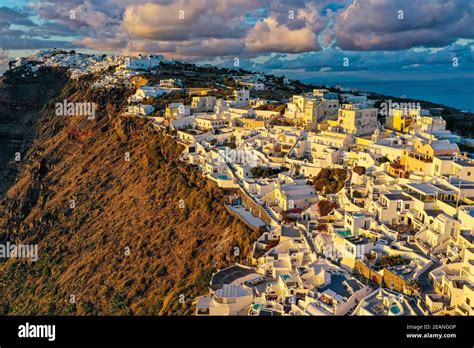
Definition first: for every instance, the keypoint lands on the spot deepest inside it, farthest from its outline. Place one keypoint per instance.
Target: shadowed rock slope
(21, 100)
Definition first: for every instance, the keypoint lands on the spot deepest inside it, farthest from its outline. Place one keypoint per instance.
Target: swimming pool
(395, 309)
(344, 233)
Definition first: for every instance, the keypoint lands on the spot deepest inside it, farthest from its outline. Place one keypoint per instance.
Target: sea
(456, 93)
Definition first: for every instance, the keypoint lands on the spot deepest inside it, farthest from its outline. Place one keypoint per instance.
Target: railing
(421, 157)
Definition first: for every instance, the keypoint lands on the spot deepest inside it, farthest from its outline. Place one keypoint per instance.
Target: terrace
(430, 192)
(393, 263)
(420, 157)
(464, 162)
(404, 271)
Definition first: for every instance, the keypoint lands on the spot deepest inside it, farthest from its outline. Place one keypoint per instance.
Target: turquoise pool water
(395, 309)
(344, 233)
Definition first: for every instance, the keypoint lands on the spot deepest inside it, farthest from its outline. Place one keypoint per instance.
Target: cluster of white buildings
(395, 237)
(114, 70)
(251, 82)
(78, 64)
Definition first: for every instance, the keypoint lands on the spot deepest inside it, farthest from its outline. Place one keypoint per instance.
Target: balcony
(420, 196)
(397, 166)
(420, 157)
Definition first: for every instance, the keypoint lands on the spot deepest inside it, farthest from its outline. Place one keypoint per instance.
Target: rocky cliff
(21, 100)
(122, 226)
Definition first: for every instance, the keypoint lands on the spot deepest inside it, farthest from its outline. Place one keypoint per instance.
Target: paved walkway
(248, 216)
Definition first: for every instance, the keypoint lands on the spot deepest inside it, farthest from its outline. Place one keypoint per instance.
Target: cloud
(186, 20)
(376, 63)
(18, 31)
(224, 26)
(10, 16)
(378, 25)
(262, 25)
(304, 35)
(270, 36)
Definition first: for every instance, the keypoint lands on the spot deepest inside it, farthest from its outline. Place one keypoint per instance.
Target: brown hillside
(128, 246)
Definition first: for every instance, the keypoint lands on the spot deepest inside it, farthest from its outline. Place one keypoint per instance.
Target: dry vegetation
(330, 180)
(120, 205)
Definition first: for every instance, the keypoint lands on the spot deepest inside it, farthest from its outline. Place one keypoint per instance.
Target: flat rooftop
(464, 163)
(434, 212)
(358, 240)
(430, 189)
(288, 231)
(468, 237)
(341, 286)
(403, 271)
(397, 197)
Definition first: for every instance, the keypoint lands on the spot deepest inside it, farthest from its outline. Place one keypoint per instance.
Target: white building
(203, 103)
(229, 300)
(170, 83)
(354, 119)
(142, 62)
(149, 92)
(241, 96)
(141, 109)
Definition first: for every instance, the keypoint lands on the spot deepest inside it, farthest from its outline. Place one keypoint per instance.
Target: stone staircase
(423, 279)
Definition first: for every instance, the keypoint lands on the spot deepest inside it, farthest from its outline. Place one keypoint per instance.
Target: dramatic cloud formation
(309, 35)
(401, 24)
(18, 31)
(270, 36)
(185, 20)
(9, 16)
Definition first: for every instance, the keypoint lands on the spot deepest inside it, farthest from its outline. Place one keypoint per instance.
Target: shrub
(330, 180)
(359, 170)
(324, 207)
(260, 172)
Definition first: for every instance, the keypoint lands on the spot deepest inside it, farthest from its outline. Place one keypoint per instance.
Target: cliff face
(122, 226)
(21, 100)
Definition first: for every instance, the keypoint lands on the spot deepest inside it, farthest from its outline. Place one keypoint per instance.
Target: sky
(369, 39)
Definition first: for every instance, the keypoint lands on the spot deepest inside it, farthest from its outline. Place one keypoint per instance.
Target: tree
(257, 172)
(286, 217)
(330, 181)
(359, 170)
(324, 207)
